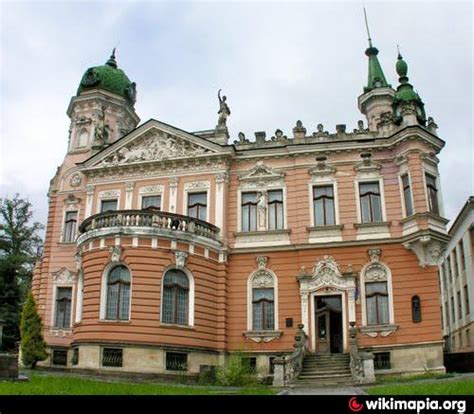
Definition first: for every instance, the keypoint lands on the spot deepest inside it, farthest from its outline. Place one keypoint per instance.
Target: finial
(399, 54)
(112, 62)
(367, 27)
(401, 67)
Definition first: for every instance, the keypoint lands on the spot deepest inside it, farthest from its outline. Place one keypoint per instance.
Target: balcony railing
(150, 218)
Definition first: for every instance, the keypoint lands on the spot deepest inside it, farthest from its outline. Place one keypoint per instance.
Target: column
(173, 198)
(89, 200)
(129, 195)
(221, 179)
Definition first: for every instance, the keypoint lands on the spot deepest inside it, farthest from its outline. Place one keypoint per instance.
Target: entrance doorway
(328, 317)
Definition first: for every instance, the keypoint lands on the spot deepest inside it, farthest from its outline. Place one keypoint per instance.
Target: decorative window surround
(63, 278)
(262, 278)
(376, 271)
(180, 258)
(151, 190)
(323, 174)
(261, 178)
(262, 238)
(325, 234)
(71, 203)
(197, 187)
(107, 195)
(430, 166)
(369, 171)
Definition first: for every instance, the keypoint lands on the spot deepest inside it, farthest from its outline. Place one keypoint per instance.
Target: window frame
(366, 180)
(192, 188)
(175, 290)
(416, 315)
(372, 205)
(403, 195)
(273, 204)
(104, 294)
(250, 289)
(333, 198)
(144, 196)
(73, 229)
(263, 304)
(253, 204)
(108, 195)
(56, 308)
(377, 295)
(191, 298)
(198, 206)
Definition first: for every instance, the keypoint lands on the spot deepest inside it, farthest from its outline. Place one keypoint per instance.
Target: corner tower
(103, 109)
(378, 94)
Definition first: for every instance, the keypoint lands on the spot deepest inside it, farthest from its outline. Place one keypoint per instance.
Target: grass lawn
(438, 387)
(44, 384)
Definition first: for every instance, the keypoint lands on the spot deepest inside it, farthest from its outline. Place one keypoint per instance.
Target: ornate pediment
(153, 146)
(326, 273)
(64, 277)
(261, 172)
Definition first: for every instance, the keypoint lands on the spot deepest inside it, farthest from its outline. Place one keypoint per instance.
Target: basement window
(249, 363)
(59, 357)
(382, 360)
(176, 361)
(112, 357)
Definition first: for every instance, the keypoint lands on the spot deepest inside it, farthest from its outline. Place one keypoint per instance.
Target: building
(457, 283)
(169, 250)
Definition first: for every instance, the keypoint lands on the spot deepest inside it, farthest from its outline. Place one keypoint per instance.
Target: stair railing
(288, 368)
(362, 363)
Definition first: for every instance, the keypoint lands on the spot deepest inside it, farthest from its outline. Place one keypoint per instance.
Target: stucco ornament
(78, 260)
(64, 277)
(375, 271)
(428, 250)
(325, 273)
(155, 146)
(115, 253)
(75, 180)
(180, 258)
(262, 262)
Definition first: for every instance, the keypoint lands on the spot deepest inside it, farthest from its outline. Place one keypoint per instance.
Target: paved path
(323, 391)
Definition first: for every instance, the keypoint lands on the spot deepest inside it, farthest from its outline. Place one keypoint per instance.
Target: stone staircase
(324, 370)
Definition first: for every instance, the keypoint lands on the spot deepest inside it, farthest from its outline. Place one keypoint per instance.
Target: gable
(154, 141)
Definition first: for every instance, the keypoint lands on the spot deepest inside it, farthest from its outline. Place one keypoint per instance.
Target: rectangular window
(63, 307)
(108, 205)
(263, 309)
(456, 264)
(249, 211)
(446, 307)
(70, 224)
(448, 265)
(453, 309)
(323, 205)
(463, 257)
(459, 306)
(151, 202)
(176, 361)
(376, 297)
(460, 340)
(275, 210)
(249, 363)
(370, 202)
(382, 360)
(466, 299)
(468, 338)
(432, 193)
(197, 205)
(271, 362)
(407, 195)
(59, 357)
(75, 356)
(112, 357)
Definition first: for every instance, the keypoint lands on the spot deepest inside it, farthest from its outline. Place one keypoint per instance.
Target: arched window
(118, 293)
(416, 309)
(175, 308)
(262, 305)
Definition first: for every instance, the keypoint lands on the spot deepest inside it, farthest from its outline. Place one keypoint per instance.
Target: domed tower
(408, 107)
(378, 94)
(103, 109)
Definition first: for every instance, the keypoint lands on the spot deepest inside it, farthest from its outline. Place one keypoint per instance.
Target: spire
(376, 77)
(112, 62)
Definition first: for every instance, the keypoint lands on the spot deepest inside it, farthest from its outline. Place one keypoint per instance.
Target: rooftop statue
(224, 110)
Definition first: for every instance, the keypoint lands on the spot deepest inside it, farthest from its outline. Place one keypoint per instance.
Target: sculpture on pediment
(279, 137)
(224, 110)
(242, 139)
(320, 131)
(360, 128)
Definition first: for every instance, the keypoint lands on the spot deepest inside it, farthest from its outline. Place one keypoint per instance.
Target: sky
(277, 62)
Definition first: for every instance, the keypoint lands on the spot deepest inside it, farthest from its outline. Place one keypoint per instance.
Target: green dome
(401, 66)
(110, 78)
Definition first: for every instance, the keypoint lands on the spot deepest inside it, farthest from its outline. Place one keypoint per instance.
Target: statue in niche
(224, 110)
(102, 130)
(262, 209)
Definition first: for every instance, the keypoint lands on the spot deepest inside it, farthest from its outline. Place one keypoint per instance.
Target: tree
(33, 347)
(20, 247)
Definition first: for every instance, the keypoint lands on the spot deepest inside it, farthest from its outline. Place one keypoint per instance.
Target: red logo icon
(354, 405)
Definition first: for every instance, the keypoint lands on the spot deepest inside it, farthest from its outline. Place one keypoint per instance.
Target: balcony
(148, 223)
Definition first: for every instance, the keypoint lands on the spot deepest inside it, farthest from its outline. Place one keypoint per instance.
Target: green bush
(33, 347)
(236, 373)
